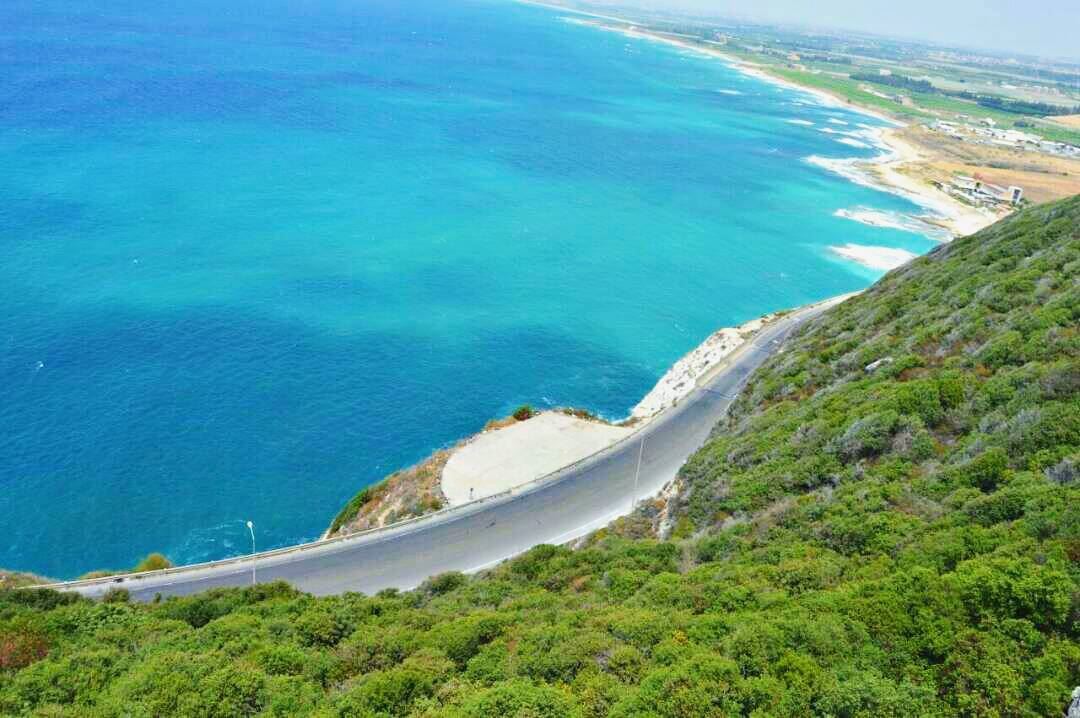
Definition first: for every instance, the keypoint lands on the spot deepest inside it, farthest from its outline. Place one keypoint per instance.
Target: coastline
(883, 172)
(945, 214)
(576, 11)
(511, 452)
(700, 363)
(685, 374)
(469, 483)
(746, 68)
(950, 214)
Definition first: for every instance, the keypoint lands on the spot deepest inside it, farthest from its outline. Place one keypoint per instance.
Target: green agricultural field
(835, 78)
(1055, 133)
(850, 90)
(888, 524)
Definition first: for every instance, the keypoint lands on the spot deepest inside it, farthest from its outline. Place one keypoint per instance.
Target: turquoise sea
(257, 255)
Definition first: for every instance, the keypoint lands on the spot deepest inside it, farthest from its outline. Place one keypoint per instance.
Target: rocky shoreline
(562, 436)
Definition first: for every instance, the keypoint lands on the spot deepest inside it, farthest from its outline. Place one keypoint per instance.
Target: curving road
(553, 510)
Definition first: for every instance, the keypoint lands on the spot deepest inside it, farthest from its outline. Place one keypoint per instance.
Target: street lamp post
(251, 528)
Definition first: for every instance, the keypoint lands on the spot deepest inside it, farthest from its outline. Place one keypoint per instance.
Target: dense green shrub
(153, 562)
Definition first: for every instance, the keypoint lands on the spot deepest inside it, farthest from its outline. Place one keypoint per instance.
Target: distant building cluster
(982, 194)
(986, 132)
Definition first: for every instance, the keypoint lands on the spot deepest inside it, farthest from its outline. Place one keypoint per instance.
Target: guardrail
(119, 580)
(272, 553)
(394, 528)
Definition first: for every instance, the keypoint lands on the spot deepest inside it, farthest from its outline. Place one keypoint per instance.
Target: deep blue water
(257, 255)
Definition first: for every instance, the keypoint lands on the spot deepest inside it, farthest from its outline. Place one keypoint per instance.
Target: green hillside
(897, 540)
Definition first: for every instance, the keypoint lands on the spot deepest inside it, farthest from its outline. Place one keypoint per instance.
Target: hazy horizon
(1045, 28)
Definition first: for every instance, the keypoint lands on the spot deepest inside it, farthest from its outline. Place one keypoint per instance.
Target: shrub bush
(153, 562)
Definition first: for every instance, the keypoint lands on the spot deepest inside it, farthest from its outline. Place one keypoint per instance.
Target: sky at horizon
(1046, 28)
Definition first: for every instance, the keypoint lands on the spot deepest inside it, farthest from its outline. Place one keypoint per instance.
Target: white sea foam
(729, 92)
(848, 168)
(882, 258)
(828, 130)
(850, 142)
(851, 169)
(873, 134)
(893, 220)
(873, 217)
(878, 218)
(845, 167)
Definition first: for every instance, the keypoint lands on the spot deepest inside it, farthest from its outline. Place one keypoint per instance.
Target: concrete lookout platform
(499, 460)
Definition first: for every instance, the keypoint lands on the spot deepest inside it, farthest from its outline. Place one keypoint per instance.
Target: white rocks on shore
(502, 459)
(681, 379)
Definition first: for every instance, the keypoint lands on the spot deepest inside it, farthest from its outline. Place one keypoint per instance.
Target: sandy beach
(747, 68)
(575, 11)
(958, 218)
(892, 171)
(885, 172)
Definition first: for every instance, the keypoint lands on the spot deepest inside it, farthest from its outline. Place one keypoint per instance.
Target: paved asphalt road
(568, 505)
